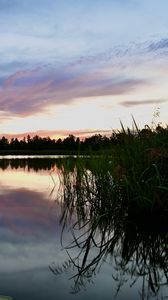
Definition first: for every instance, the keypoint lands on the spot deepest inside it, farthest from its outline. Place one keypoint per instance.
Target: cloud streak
(142, 102)
(29, 92)
(59, 133)
(158, 45)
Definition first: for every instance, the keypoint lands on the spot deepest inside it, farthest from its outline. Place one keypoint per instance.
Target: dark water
(32, 257)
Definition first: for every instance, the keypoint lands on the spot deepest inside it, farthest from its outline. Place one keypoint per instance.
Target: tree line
(74, 144)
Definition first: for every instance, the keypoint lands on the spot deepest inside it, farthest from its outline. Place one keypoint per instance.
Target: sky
(82, 66)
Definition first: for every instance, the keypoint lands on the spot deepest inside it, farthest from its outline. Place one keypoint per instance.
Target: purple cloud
(28, 92)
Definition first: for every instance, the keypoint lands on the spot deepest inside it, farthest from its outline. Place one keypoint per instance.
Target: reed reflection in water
(103, 251)
(104, 232)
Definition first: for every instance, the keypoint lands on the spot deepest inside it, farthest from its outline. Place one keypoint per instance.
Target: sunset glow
(79, 67)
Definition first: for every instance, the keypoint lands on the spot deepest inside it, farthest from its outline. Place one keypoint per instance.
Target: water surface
(32, 257)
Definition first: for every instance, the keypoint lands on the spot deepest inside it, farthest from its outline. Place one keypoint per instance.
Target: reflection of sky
(39, 182)
(27, 216)
(30, 242)
(30, 238)
(29, 235)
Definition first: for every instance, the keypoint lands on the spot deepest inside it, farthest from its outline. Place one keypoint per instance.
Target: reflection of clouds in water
(30, 243)
(16, 257)
(28, 213)
(30, 237)
(29, 233)
(37, 181)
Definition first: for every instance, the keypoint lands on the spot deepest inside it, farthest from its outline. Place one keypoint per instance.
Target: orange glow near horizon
(83, 119)
(35, 181)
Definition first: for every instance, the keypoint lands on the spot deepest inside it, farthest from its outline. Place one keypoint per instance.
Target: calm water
(31, 253)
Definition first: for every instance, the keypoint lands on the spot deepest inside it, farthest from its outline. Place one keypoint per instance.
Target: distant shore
(37, 152)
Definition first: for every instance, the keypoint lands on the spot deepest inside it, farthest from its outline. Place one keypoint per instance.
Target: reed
(118, 202)
(134, 174)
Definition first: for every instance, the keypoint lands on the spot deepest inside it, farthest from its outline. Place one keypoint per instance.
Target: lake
(41, 252)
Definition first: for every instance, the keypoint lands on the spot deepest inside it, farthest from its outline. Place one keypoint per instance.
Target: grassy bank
(133, 175)
(117, 204)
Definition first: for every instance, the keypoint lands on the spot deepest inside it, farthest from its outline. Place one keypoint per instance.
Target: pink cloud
(28, 92)
(59, 133)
